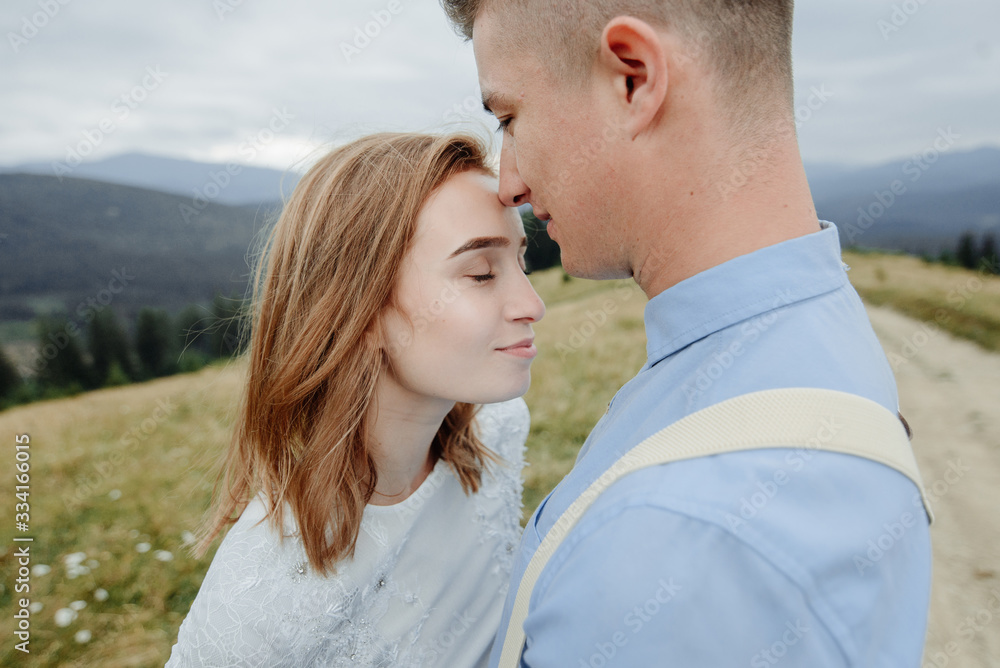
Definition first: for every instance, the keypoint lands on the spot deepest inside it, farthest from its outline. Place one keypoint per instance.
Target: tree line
(973, 255)
(105, 352)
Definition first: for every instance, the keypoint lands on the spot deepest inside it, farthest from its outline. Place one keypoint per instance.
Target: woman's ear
(634, 60)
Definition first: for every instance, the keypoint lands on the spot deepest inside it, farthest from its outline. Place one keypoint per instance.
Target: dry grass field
(119, 477)
(966, 303)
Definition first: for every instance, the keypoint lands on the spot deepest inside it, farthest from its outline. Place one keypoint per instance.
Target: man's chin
(550, 228)
(593, 270)
(572, 266)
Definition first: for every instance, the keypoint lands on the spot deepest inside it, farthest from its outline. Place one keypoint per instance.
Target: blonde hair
(316, 346)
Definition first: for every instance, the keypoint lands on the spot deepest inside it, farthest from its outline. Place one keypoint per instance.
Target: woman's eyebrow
(478, 243)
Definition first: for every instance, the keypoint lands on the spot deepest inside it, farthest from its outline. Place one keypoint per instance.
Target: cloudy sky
(268, 82)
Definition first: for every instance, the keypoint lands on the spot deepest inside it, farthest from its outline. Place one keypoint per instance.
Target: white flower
(74, 559)
(75, 571)
(65, 616)
(115, 494)
(187, 537)
(35, 607)
(142, 547)
(101, 594)
(93, 563)
(78, 605)
(163, 555)
(82, 636)
(41, 569)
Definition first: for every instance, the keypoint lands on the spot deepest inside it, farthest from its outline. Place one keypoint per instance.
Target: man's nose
(513, 191)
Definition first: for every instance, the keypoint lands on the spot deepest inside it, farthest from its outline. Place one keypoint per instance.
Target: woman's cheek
(474, 312)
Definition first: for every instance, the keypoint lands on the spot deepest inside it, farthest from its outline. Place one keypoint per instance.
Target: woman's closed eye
(504, 125)
(482, 278)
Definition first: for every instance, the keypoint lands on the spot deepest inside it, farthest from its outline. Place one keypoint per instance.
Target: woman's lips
(524, 349)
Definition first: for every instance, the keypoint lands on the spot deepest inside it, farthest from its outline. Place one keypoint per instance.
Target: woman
(381, 509)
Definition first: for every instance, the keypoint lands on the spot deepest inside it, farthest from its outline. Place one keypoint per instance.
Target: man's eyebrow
(485, 242)
(492, 99)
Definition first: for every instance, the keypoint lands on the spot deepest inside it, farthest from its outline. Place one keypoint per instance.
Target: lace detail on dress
(342, 629)
(504, 430)
(261, 604)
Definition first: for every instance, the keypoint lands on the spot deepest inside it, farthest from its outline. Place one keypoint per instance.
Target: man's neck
(739, 206)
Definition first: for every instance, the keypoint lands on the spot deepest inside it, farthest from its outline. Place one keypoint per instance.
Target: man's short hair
(747, 43)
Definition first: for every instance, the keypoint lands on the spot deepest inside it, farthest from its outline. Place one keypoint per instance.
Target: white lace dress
(425, 588)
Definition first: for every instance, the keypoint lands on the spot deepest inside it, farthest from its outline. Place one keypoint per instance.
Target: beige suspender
(807, 418)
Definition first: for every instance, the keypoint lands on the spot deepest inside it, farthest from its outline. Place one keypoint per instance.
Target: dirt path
(949, 391)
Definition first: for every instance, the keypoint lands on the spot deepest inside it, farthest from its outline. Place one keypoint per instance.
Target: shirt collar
(743, 287)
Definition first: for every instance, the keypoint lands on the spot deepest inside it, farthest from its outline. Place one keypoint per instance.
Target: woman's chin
(494, 395)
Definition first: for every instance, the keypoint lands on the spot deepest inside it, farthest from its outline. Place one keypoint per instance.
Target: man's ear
(634, 58)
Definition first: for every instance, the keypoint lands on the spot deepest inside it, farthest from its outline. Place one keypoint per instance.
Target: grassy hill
(119, 476)
(965, 303)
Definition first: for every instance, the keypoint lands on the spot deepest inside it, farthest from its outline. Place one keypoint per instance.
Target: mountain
(75, 242)
(221, 183)
(920, 204)
(78, 243)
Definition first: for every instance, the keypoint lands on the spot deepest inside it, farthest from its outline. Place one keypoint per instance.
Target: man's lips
(545, 217)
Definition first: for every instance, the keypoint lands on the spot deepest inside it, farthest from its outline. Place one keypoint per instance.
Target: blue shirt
(745, 559)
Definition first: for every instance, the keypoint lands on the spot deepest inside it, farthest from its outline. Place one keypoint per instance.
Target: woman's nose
(525, 303)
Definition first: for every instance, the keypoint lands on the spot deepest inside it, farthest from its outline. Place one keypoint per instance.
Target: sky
(272, 83)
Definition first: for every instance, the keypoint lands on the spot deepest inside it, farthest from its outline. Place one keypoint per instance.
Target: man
(657, 138)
